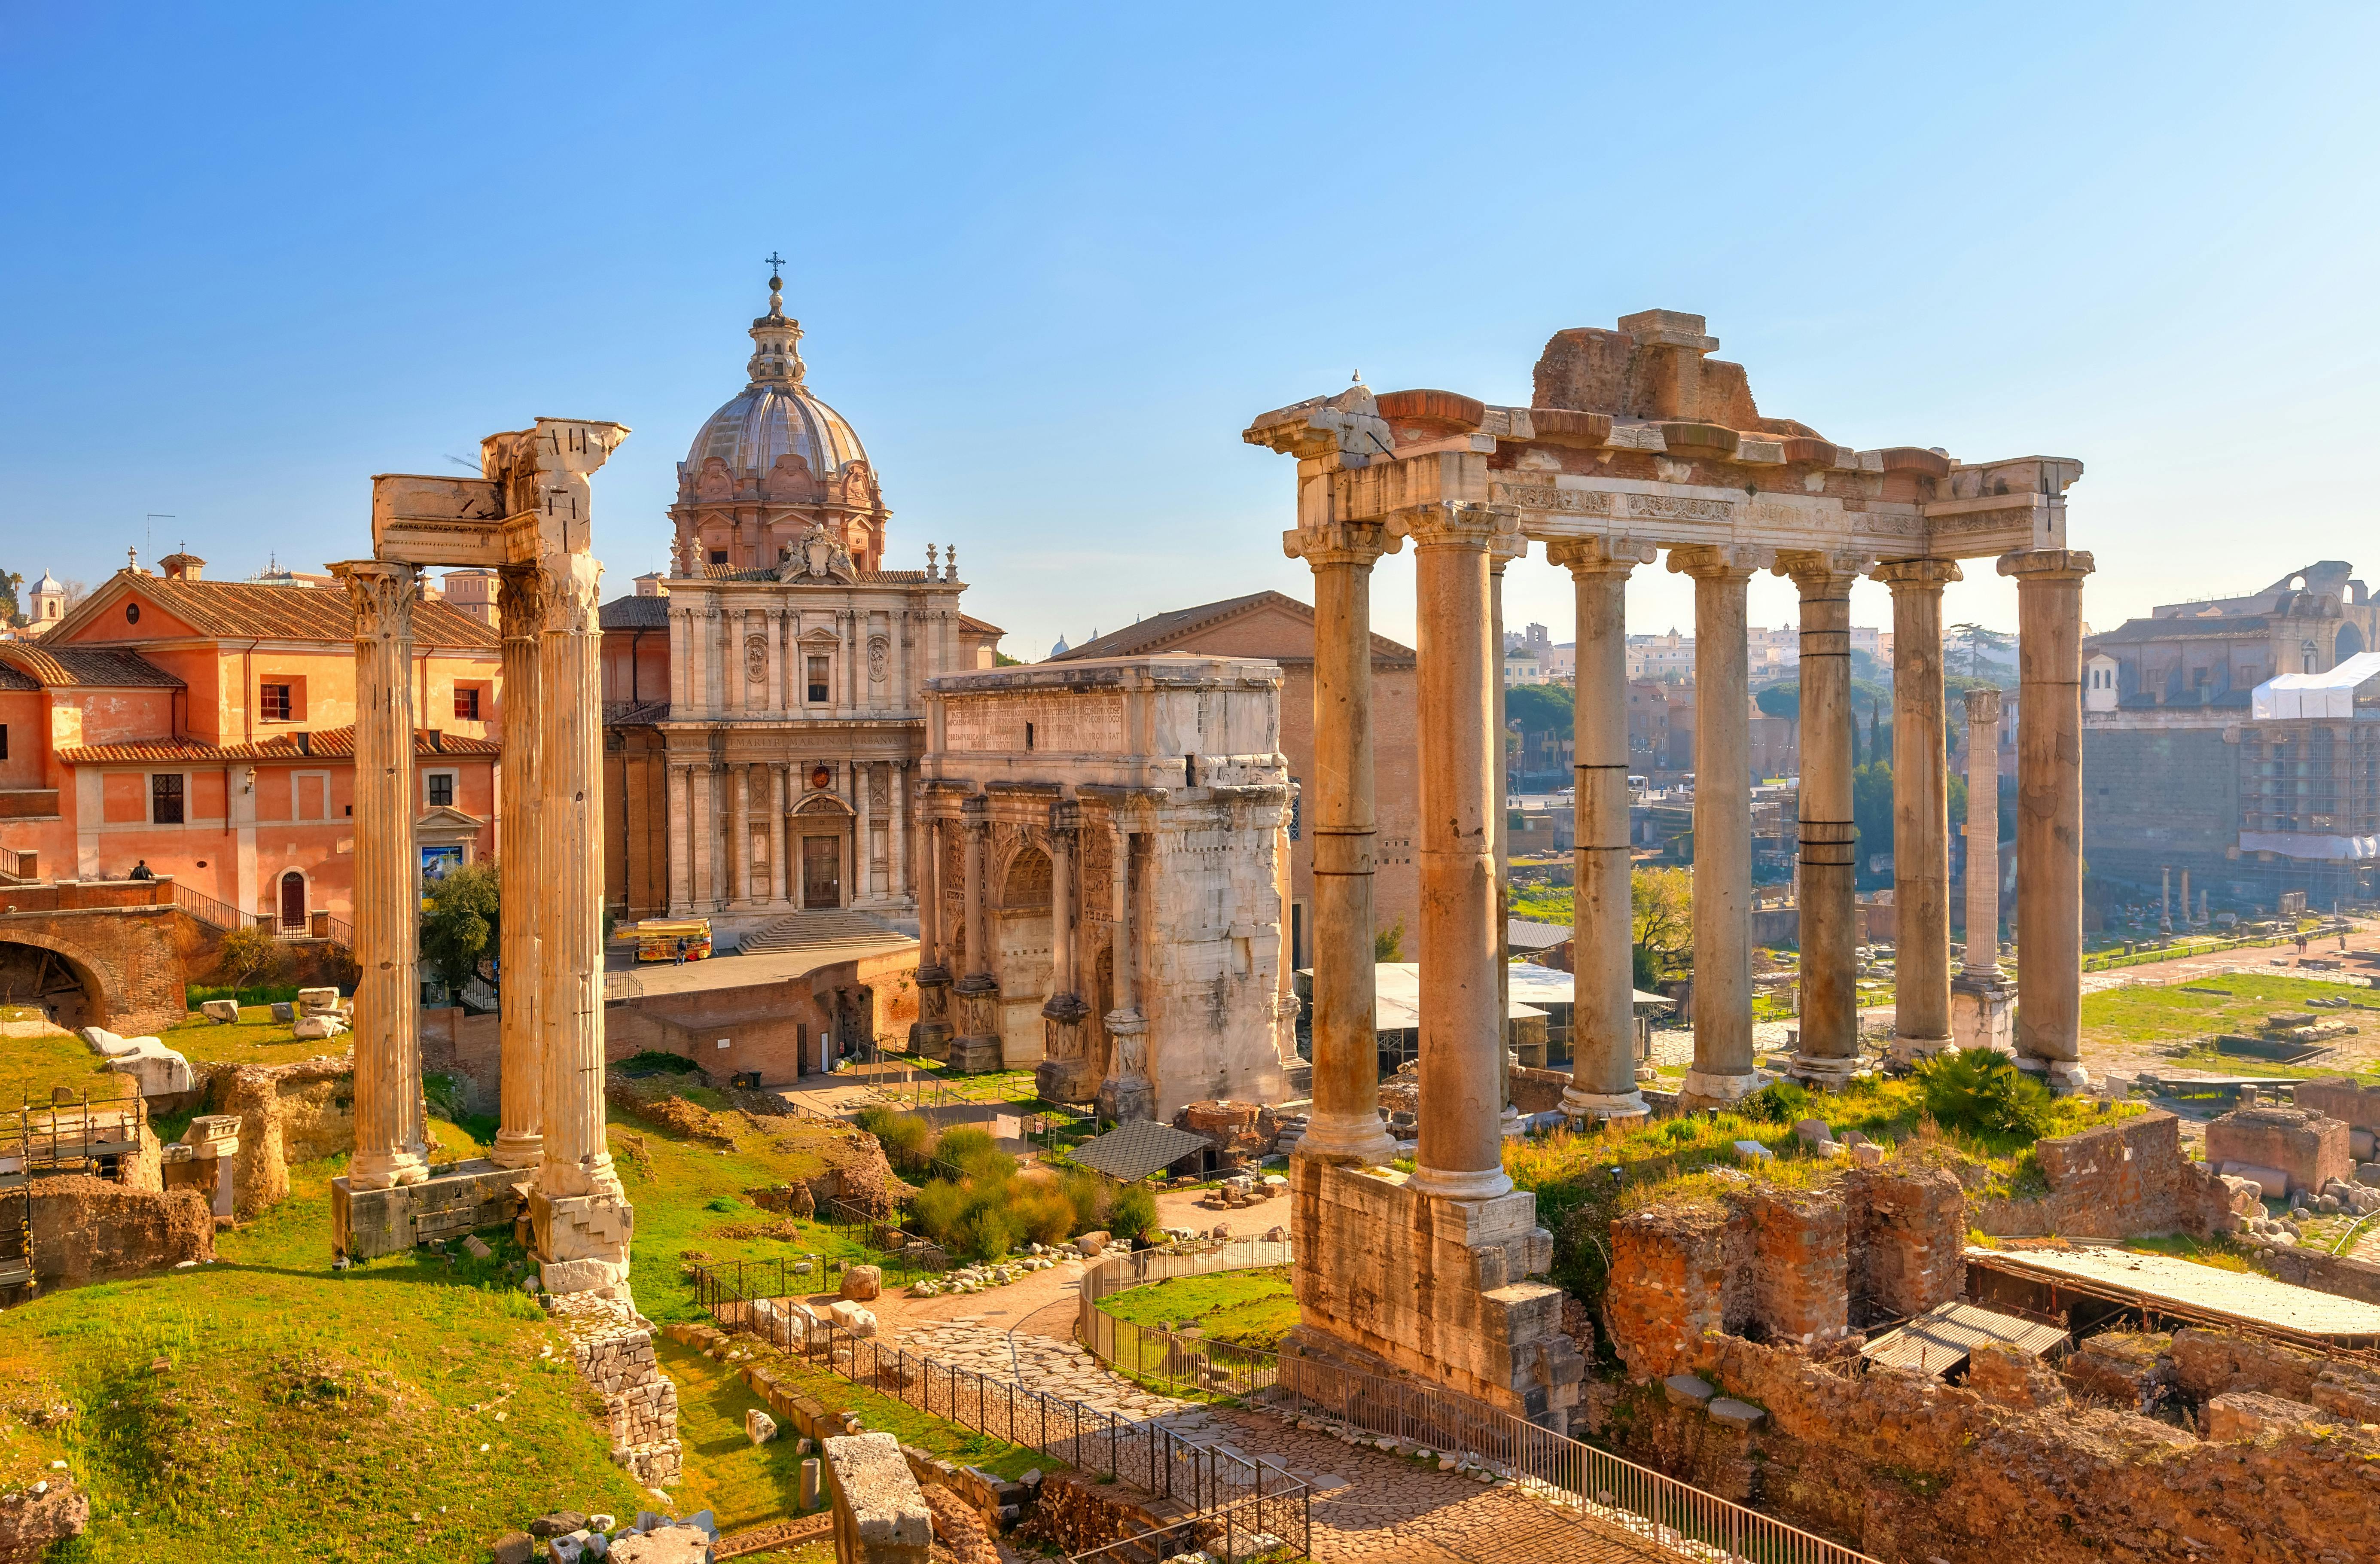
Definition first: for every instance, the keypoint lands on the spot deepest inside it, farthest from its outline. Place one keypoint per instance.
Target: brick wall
(128, 957)
(1669, 1273)
(2339, 1098)
(1799, 1263)
(2119, 1181)
(88, 1230)
(2310, 1148)
(1908, 1240)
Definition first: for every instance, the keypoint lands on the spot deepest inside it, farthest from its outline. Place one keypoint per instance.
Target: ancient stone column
(2188, 922)
(739, 843)
(521, 604)
(1461, 1154)
(1603, 1014)
(581, 1218)
(933, 971)
(863, 833)
(699, 866)
(391, 1137)
(1723, 1069)
(1502, 550)
(1345, 1122)
(776, 833)
(2049, 811)
(898, 825)
(1127, 1094)
(1983, 948)
(1921, 809)
(1064, 1074)
(977, 1046)
(681, 842)
(2165, 901)
(1828, 1052)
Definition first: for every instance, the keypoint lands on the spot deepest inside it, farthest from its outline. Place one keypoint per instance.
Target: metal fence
(1552, 1466)
(1222, 1489)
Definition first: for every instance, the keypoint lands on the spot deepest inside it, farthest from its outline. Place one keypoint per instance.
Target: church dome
(48, 583)
(775, 415)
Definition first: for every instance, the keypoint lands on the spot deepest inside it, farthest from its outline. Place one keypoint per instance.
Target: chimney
(182, 567)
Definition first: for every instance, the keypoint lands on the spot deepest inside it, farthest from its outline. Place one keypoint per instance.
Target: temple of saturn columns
(1637, 443)
(528, 518)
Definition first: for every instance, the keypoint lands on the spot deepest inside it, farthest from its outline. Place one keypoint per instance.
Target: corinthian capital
(571, 592)
(1917, 575)
(1448, 524)
(1585, 557)
(383, 593)
(1340, 542)
(520, 600)
(1822, 574)
(1738, 562)
(2047, 565)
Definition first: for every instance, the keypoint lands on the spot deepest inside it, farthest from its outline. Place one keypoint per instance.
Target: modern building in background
(2238, 739)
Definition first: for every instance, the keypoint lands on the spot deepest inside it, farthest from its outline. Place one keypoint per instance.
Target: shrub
(1132, 1212)
(902, 1137)
(1086, 1193)
(1779, 1102)
(1982, 1092)
(971, 1150)
(1042, 1213)
(985, 1233)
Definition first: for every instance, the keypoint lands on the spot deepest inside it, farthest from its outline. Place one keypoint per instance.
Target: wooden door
(293, 900)
(821, 871)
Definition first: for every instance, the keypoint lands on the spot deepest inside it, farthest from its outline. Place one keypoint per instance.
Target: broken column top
(873, 1480)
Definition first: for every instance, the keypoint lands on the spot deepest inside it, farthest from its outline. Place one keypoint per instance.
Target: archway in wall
(60, 988)
(1021, 947)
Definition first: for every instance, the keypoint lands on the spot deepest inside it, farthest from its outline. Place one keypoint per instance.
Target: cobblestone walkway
(1367, 1504)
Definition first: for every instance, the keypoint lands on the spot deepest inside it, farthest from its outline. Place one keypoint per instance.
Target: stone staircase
(797, 931)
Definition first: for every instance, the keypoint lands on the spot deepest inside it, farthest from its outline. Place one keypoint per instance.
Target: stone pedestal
(1434, 1288)
(1983, 1012)
(977, 1001)
(1128, 1094)
(932, 1038)
(367, 1223)
(1066, 1072)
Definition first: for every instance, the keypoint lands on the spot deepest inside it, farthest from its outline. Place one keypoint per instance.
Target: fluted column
(705, 622)
(2049, 811)
(1921, 809)
(1346, 1120)
(1461, 1154)
(581, 1218)
(1502, 550)
(739, 844)
(932, 1039)
(776, 834)
(391, 1137)
(1603, 1011)
(681, 623)
(1064, 1074)
(521, 612)
(977, 1045)
(1829, 1050)
(1723, 1069)
(681, 840)
(1983, 948)
(1127, 1094)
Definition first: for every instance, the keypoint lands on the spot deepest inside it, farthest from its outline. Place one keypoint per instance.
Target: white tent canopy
(2316, 695)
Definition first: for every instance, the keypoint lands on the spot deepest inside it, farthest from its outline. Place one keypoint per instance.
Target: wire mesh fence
(1253, 1498)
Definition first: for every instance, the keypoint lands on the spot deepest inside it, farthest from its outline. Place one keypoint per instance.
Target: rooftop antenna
(149, 543)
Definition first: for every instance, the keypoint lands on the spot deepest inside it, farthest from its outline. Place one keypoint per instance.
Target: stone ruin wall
(288, 1113)
(89, 1229)
(612, 1347)
(1804, 1266)
(1908, 1468)
(2118, 1181)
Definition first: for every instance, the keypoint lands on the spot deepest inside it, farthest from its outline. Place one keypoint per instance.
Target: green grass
(889, 1415)
(1250, 1308)
(742, 1483)
(2142, 1014)
(2216, 1252)
(1544, 904)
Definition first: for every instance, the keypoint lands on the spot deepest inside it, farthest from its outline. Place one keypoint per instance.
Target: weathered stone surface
(560, 1521)
(863, 1283)
(31, 1523)
(612, 1347)
(2129, 1369)
(664, 1545)
(759, 1426)
(317, 1001)
(318, 1028)
(1668, 1271)
(2339, 1098)
(1907, 1236)
(2251, 1414)
(2119, 1181)
(880, 1515)
(2014, 1377)
(512, 1547)
(2310, 1148)
(1736, 1414)
(1686, 1389)
(89, 1229)
(224, 1010)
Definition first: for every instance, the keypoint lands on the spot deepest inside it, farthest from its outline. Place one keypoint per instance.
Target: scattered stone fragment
(1688, 1390)
(759, 1426)
(1735, 1414)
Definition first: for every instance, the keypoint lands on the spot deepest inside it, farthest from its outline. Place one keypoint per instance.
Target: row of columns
(552, 1040)
(710, 866)
(707, 647)
(1462, 1063)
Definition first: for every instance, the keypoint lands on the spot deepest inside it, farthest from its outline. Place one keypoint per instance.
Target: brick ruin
(2113, 1182)
(612, 1347)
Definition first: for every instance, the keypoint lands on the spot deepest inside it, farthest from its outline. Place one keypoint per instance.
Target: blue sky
(1050, 260)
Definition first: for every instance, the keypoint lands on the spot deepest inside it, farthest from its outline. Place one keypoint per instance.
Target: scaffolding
(70, 1134)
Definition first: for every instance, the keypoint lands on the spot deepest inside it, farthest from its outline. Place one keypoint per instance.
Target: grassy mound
(1251, 1308)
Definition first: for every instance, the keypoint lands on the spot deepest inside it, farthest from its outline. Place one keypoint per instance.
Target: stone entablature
(1078, 810)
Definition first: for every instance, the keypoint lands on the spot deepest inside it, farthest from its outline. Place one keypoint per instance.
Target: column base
(1063, 1074)
(1507, 1124)
(1127, 1098)
(1824, 1069)
(515, 1150)
(1359, 1138)
(976, 1046)
(2064, 1077)
(1909, 1050)
(1707, 1089)
(931, 1039)
(1582, 1105)
(388, 1170)
(1983, 1013)
(1474, 1183)
(581, 1241)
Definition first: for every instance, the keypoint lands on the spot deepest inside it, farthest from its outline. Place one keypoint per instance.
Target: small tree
(1661, 918)
(249, 954)
(458, 921)
(1388, 944)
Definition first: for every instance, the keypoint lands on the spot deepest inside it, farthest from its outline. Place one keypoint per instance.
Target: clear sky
(1052, 260)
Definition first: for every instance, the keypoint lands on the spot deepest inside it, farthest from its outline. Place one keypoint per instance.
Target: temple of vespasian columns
(528, 517)
(1637, 441)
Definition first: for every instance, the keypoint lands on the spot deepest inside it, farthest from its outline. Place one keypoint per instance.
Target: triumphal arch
(1637, 444)
(529, 518)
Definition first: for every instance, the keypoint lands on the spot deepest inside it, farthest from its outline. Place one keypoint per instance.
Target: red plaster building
(207, 729)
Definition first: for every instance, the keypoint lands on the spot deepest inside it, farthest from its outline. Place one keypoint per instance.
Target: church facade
(765, 698)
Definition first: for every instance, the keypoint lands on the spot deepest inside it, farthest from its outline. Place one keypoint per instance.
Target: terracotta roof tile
(317, 744)
(634, 613)
(12, 678)
(1160, 631)
(69, 665)
(294, 613)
